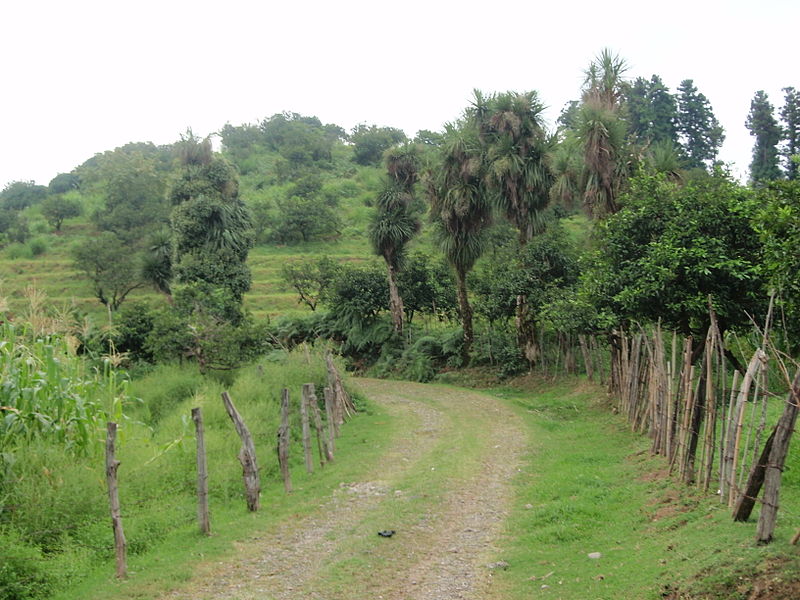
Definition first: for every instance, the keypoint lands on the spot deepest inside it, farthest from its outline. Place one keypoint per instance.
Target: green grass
(590, 485)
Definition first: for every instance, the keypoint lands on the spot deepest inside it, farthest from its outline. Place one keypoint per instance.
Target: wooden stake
(331, 421)
(247, 455)
(202, 474)
(306, 432)
(322, 441)
(112, 464)
(734, 437)
(283, 442)
(747, 499)
(777, 460)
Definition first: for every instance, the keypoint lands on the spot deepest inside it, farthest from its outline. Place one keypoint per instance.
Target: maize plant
(46, 391)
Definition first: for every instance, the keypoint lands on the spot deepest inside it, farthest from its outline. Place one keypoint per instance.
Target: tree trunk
(777, 460)
(526, 331)
(466, 316)
(395, 300)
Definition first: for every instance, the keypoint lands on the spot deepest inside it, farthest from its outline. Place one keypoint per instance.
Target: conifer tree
(763, 126)
(790, 115)
(700, 133)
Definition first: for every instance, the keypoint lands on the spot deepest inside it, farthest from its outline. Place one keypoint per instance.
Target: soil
(443, 549)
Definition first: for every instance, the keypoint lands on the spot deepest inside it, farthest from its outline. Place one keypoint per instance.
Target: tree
(58, 208)
(790, 115)
(763, 126)
(700, 133)
(303, 142)
(777, 221)
(63, 183)
(305, 218)
(157, 261)
(134, 191)
(515, 146)
(427, 287)
(396, 221)
(651, 110)
(311, 279)
(19, 195)
(602, 132)
(460, 211)
(112, 268)
(370, 142)
(675, 245)
(212, 229)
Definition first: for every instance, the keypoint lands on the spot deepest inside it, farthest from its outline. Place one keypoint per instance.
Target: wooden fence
(338, 407)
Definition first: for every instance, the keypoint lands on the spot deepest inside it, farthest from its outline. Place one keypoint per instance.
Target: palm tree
(515, 142)
(396, 221)
(515, 146)
(460, 211)
(602, 133)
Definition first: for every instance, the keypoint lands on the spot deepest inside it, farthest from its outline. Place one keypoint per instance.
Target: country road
(443, 484)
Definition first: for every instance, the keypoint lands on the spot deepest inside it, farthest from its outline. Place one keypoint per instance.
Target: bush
(37, 247)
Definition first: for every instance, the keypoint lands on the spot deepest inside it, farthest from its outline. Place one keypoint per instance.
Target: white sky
(84, 76)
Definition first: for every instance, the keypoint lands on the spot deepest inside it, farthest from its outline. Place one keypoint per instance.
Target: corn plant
(46, 391)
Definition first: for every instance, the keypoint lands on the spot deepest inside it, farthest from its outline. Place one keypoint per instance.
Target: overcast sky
(85, 76)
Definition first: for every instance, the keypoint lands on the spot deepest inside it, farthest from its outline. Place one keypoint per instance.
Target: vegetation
(172, 269)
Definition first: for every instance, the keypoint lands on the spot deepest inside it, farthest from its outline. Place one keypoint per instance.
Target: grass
(590, 485)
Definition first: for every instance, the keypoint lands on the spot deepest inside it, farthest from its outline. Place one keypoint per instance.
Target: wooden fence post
(202, 474)
(306, 432)
(332, 428)
(322, 442)
(777, 460)
(112, 464)
(247, 455)
(283, 442)
(344, 405)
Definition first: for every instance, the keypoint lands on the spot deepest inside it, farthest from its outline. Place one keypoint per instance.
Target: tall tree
(515, 146)
(396, 220)
(700, 133)
(212, 229)
(790, 115)
(602, 132)
(763, 126)
(652, 112)
(461, 211)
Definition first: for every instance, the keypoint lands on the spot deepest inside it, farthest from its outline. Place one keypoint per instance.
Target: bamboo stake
(737, 415)
(306, 433)
(331, 421)
(283, 442)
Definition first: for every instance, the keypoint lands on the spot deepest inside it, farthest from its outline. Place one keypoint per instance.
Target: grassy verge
(590, 486)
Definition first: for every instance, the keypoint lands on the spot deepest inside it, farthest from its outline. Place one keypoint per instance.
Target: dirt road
(443, 485)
